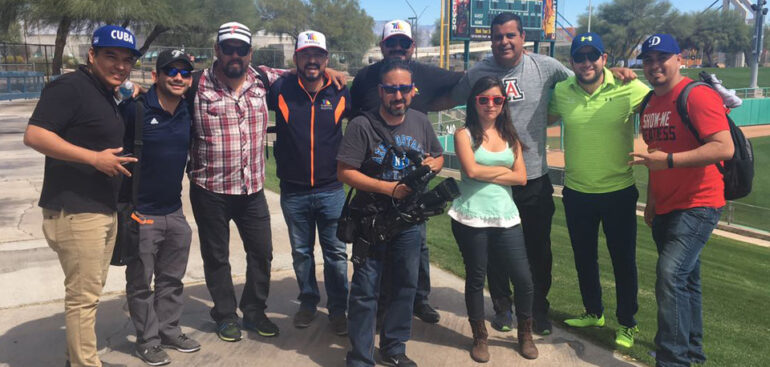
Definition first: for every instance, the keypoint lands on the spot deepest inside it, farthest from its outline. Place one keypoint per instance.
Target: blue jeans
(304, 212)
(404, 252)
(680, 236)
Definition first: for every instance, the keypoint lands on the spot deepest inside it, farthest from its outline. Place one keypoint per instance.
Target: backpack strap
(138, 144)
(645, 101)
(190, 94)
(681, 108)
(263, 78)
(383, 133)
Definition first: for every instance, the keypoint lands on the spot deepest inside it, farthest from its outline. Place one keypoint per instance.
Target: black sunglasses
(392, 89)
(484, 100)
(241, 50)
(582, 56)
(392, 42)
(172, 72)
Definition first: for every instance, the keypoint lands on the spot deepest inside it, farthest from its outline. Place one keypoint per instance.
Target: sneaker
(586, 320)
(153, 355)
(398, 360)
(181, 343)
(426, 313)
(228, 330)
(503, 321)
(624, 337)
(262, 326)
(339, 324)
(542, 326)
(303, 318)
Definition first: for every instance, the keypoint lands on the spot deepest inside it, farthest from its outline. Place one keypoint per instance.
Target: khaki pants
(84, 243)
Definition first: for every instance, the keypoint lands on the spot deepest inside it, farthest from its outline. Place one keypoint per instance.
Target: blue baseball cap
(114, 36)
(660, 42)
(586, 39)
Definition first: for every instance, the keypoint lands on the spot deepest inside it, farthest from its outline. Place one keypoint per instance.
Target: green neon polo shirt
(598, 132)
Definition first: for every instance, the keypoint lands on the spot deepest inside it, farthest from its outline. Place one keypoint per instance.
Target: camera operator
(373, 167)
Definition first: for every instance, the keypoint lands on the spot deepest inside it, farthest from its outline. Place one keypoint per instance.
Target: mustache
(397, 101)
(235, 61)
(317, 66)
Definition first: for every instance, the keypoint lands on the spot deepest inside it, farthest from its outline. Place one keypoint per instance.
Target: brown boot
(480, 351)
(526, 344)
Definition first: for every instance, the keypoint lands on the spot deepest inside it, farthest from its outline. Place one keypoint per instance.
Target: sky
(431, 9)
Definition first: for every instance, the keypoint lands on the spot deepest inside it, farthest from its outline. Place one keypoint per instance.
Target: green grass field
(734, 276)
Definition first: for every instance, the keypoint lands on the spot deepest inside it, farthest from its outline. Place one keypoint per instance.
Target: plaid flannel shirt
(228, 138)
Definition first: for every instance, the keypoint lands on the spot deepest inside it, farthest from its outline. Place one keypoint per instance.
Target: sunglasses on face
(241, 50)
(392, 89)
(392, 42)
(484, 100)
(172, 72)
(582, 56)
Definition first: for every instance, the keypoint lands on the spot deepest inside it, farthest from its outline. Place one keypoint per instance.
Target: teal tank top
(485, 204)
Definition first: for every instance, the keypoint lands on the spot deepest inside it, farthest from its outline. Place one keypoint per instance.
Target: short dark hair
(394, 64)
(506, 17)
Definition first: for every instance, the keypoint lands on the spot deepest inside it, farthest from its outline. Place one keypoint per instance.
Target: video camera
(416, 208)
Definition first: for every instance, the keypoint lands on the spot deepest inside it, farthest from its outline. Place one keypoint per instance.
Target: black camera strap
(383, 132)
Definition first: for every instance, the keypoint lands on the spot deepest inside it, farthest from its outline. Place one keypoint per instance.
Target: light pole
(759, 20)
(589, 15)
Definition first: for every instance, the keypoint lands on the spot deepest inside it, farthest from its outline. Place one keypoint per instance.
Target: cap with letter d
(660, 42)
(396, 27)
(115, 36)
(308, 39)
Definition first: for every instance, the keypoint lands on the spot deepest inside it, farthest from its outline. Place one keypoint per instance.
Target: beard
(309, 77)
(593, 80)
(397, 111)
(231, 71)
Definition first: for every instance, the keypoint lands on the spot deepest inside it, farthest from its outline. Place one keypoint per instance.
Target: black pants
(617, 213)
(536, 208)
(503, 247)
(213, 213)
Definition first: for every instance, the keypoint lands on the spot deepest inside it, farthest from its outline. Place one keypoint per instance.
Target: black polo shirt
(431, 82)
(78, 108)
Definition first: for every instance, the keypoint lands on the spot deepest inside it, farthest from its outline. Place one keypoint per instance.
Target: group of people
(213, 124)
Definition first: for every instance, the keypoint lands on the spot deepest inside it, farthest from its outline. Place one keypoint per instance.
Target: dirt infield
(556, 157)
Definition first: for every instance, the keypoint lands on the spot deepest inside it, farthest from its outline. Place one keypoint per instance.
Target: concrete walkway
(31, 305)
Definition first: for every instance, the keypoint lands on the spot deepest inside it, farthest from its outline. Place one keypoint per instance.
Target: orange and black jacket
(309, 132)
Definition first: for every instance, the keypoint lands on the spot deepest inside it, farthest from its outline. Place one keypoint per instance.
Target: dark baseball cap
(168, 57)
(586, 39)
(114, 36)
(660, 42)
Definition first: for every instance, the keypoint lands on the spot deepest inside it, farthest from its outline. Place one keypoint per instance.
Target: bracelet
(670, 160)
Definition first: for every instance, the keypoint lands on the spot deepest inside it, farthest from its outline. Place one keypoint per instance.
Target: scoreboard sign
(470, 19)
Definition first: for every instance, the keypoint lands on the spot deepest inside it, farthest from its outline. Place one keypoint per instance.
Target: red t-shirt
(662, 128)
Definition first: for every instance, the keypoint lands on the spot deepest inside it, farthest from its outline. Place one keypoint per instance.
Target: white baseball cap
(311, 39)
(396, 27)
(234, 31)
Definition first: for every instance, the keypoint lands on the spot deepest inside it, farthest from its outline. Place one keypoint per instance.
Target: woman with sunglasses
(485, 220)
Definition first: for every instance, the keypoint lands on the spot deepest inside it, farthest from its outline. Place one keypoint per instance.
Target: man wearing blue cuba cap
(77, 127)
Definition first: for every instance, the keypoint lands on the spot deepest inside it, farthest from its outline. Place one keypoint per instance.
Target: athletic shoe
(303, 318)
(503, 321)
(398, 360)
(426, 313)
(339, 324)
(624, 337)
(262, 325)
(154, 355)
(586, 320)
(228, 330)
(181, 343)
(542, 326)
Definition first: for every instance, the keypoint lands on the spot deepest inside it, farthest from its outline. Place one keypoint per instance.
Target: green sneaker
(625, 336)
(586, 320)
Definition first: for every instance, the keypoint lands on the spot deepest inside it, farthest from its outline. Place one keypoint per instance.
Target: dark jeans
(304, 212)
(503, 246)
(423, 278)
(164, 247)
(404, 253)
(213, 213)
(536, 208)
(617, 213)
(680, 237)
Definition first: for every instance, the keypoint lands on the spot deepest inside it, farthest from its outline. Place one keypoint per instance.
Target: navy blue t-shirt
(166, 141)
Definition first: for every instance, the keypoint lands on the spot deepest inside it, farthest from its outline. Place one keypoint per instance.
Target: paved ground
(31, 306)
